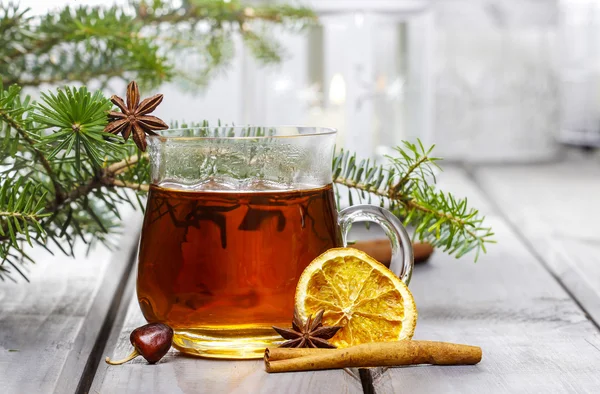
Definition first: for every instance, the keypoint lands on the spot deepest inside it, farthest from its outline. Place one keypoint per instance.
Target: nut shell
(152, 341)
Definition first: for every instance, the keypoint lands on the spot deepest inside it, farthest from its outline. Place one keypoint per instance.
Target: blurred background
(485, 80)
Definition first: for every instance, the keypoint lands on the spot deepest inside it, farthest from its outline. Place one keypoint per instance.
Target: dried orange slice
(360, 294)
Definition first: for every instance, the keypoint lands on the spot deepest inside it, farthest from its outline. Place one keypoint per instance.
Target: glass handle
(402, 253)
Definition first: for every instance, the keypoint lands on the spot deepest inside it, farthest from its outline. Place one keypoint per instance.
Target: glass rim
(318, 131)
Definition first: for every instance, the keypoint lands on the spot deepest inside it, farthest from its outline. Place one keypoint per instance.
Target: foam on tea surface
(231, 184)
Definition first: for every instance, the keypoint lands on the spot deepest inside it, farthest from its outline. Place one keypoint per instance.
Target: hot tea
(222, 266)
(234, 216)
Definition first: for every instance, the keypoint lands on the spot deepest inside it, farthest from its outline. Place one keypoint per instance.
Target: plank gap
(366, 379)
(96, 355)
(529, 245)
(177, 372)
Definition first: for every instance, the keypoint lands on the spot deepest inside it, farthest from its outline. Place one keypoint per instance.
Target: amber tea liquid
(221, 267)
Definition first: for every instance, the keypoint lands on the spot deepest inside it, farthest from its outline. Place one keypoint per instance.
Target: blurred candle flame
(337, 90)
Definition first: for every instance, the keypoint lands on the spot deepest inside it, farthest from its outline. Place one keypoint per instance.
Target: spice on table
(311, 334)
(381, 250)
(284, 353)
(376, 354)
(151, 341)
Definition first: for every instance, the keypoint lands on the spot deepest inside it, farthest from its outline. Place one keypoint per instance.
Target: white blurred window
(580, 71)
(364, 71)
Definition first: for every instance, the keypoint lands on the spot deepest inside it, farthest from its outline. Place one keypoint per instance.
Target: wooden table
(532, 303)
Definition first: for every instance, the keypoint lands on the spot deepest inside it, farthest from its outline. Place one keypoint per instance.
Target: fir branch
(93, 173)
(21, 211)
(76, 119)
(21, 205)
(76, 44)
(9, 104)
(63, 129)
(405, 187)
(100, 43)
(68, 125)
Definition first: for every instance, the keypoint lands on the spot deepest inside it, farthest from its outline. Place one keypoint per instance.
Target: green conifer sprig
(143, 41)
(406, 185)
(76, 44)
(81, 175)
(58, 146)
(74, 121)
(21, 212)
(63, 180)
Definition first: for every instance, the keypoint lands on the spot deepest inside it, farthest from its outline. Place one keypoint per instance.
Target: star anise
(134, 116)
(312, 333)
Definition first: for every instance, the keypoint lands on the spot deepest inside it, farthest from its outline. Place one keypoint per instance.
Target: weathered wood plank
(49, 326)
(534, 336)
(177, 373)
(556, 208)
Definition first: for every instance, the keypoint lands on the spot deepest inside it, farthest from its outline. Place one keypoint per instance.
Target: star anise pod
(134, 116)
(312, 333)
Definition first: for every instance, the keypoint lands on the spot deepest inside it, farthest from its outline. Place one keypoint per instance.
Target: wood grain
(48, 327)
(177, 373)
(534, 337)
(556, 209)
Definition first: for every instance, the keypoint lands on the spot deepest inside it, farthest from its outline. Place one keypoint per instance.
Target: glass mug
(234, 215)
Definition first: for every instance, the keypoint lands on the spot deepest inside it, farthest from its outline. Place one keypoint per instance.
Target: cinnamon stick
(378, 354)
(285, 353)
(381, 250)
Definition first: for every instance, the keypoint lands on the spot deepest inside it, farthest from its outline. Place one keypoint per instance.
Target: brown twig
(123, 165)
(400, 184)
(132, 186)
